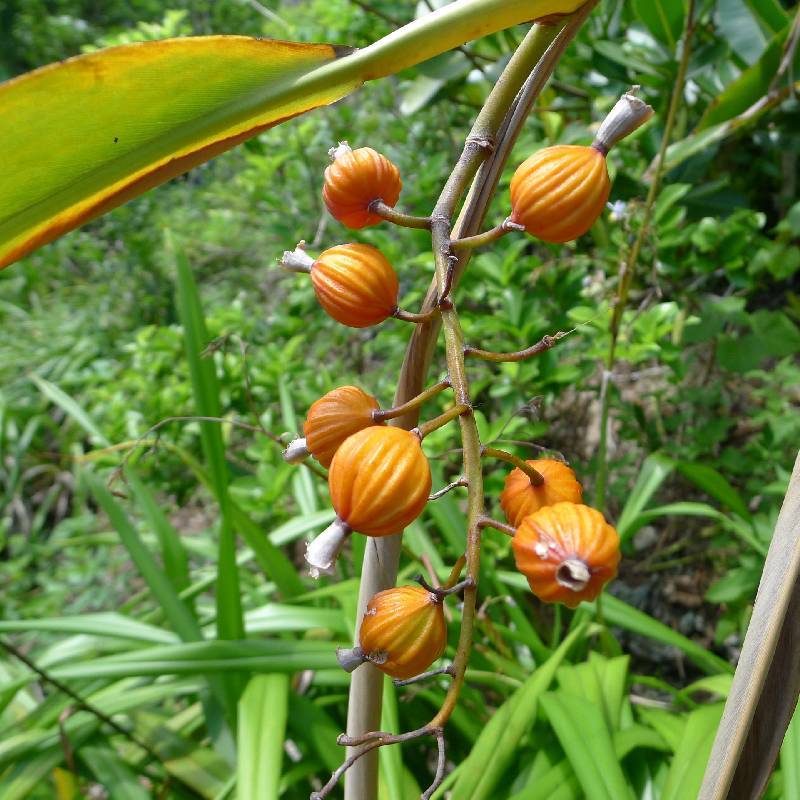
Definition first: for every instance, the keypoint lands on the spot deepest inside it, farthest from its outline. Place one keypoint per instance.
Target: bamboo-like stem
(398, 217)
(487, 237)
(538, 53)
(434, 424)
(536, 478)
(543, 345)
(382, 414)
(629, 267)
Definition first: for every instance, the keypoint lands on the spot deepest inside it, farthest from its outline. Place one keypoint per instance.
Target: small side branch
(381, 414)
(417, 319)
(398, 217)
(546, 343)
(443, 419)
(488, 522)
(537, 479)
(450, 486)
(467, 583)
(434, 673)
(487, 237)
(372, 741)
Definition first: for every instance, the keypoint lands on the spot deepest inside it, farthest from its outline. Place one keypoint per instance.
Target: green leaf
(205, 388)
(663, 18)
(113, 118)
(790, 758)
(740, 30)
(713, 483)
(173, 553)
(582, 732)
(70, 407)
(770, 12)
(686, 771)
(748, 88)
(116, 777)
(108, 624)
(494, 750)
(201, 658)
(655, 470)
(176, 612)
(262, 724)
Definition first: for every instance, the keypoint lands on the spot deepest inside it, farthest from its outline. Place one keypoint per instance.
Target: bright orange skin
(403, 631)
(559, 192)
(354, 180)
(379, 480)
(560, 532)
(520, 497)
(355, 284)
(335, 416)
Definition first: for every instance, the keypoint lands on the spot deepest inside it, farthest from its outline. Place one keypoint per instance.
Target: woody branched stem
(485, 153)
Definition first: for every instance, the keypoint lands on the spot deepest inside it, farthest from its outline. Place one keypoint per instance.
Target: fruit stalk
(489, 141)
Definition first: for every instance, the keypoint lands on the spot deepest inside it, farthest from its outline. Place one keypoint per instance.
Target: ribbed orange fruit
(355, 284)
(379, 480)
(520, 497)
(403, 631)
(559, 192)
(335, 416)
(354, 180)
(567, 551)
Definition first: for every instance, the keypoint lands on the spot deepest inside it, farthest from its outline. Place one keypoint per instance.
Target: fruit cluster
(378, 475)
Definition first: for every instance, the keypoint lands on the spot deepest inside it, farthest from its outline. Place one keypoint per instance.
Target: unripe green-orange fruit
(559, 192)
(379, 480)
(567, 551)
(335, 416)
(355, 284)
(520, 497)
(403, 631)
(354, 180)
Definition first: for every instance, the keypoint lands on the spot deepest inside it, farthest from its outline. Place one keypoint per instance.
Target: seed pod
(354, 180)
(379, 482)
(355, 284)
(521, 496)
(568, 552)
(559, 192)
(403, 632)
(335, 416)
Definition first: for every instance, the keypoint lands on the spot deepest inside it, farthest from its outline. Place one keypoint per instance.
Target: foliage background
(704, 424)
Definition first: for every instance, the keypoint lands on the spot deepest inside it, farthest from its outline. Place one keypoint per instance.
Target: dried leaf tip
(296, 452)
(322, 552)
(341, 149)
(629, 113)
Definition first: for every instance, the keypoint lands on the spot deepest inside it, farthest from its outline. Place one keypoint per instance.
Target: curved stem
(434, 424)
(487, 237)
(382, 557)
(629, 267)
(398, 217)
(544, 344)
(410, 316)
(382, 414)
(536, 478)
(488, 522)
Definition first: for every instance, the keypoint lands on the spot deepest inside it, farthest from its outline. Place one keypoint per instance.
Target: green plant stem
(544, 344)
(536, 478)
(629, 267)
(381, 414)
(417, 319)
(434, 424)
(381, 559)
(398, 217)
(487, 237)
